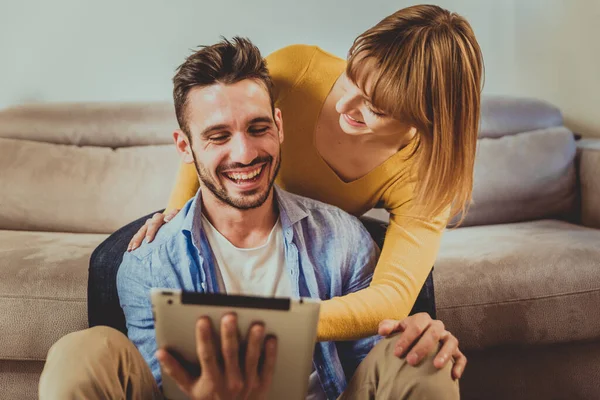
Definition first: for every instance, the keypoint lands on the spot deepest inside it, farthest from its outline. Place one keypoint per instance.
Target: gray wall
(84, 50)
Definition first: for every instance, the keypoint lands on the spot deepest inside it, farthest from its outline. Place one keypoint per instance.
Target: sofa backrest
(95, 167)
(84, 167)
(525, 164)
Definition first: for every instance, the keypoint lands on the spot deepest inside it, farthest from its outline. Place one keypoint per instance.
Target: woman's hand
(419, 336)
(149, 229)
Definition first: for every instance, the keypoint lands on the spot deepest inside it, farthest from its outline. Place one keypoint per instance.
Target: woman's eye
(377, 113)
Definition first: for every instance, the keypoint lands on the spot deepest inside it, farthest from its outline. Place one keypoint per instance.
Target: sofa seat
(43, 290)
(19, 379)
(520, 284)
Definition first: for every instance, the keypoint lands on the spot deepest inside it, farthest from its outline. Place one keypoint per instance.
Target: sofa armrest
(588, 156)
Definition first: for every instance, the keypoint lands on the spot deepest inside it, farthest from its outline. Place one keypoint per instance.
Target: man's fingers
(449, 347)
(137, 239)
(172, 368)
(205, 348)
(268, 369)
(415, 326)
(256, 338)
(460, 363)
(389, 326)
(230, 349)
(428, 342)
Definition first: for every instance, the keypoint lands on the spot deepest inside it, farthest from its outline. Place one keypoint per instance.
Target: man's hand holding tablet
(218, 346)
(241, 375)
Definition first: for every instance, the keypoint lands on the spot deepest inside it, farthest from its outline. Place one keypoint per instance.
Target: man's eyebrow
(257, 120)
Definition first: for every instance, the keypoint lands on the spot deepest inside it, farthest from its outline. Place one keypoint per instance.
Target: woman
(394, 126)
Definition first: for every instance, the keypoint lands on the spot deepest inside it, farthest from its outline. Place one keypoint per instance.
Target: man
(241, 234)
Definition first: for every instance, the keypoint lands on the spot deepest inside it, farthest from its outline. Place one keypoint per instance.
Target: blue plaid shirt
(328, 253)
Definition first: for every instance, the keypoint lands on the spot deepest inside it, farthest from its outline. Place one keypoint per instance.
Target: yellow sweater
(303, 77)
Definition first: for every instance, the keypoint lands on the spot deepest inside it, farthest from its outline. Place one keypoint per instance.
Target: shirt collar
(290, 211)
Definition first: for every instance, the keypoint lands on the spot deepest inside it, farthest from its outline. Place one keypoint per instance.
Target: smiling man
(240, 184)
(240, 234)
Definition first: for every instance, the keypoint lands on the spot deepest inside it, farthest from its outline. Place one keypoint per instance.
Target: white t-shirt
(258, 271)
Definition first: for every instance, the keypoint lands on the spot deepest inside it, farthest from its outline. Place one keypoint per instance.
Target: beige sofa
(519, 284)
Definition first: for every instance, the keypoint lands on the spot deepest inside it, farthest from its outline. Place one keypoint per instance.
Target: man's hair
(227, 62)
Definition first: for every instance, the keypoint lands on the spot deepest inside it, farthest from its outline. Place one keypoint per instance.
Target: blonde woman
(394, 125)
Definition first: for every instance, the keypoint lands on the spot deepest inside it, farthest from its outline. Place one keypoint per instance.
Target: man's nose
(244, 150)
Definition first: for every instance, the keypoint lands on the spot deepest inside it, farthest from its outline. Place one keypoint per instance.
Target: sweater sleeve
(410, 249)
(186, 186)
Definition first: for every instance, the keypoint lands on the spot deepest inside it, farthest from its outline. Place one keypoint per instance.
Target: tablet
(293, 322)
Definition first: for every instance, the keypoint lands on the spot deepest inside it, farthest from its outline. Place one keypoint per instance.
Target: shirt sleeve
(410, 249)
(133, 284)
(361, 257)
(358, 275)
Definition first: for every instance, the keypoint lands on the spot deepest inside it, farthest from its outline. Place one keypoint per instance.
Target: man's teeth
(244, 176)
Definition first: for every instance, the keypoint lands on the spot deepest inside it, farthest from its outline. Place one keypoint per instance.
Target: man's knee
(429, 382)
(88, 342)
(75, 362)
(423, 381)
(107, 334)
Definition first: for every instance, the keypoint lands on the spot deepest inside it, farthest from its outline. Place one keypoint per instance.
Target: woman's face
(359, 117)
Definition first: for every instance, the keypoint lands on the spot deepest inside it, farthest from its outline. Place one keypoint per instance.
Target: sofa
(518, 283)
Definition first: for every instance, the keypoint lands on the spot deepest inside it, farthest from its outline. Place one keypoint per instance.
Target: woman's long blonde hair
(428, 71)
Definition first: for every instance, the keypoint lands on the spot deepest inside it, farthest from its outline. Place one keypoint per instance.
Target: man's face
(235, 142)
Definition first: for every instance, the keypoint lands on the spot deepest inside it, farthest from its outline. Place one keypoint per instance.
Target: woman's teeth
(355, 120)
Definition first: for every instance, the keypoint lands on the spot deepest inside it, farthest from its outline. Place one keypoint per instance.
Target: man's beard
(242, 202)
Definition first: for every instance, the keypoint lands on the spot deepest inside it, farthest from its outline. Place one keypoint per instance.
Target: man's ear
(279, 123)
(183, 146)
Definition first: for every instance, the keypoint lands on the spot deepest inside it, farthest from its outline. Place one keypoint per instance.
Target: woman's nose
(347, 103)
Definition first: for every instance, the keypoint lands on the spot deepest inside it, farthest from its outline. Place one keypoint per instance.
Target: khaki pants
(102, 363)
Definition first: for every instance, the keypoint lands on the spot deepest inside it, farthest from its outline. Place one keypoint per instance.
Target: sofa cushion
(524, 177)
(566, 371)
(91, 124)
(64, 188)
(19, 379)
(43, 285)
(508, 115)
(524, 283)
